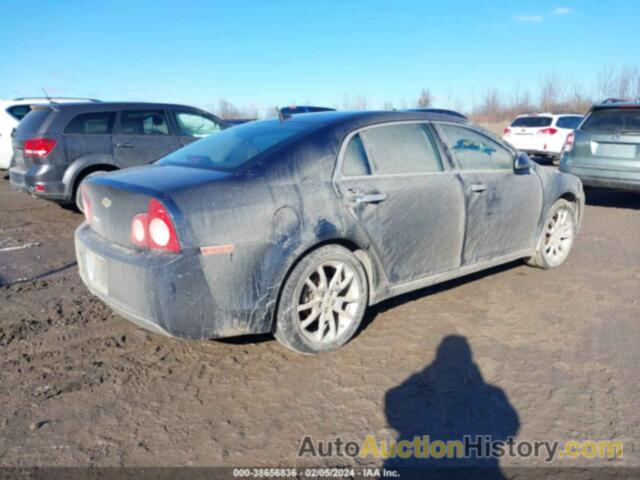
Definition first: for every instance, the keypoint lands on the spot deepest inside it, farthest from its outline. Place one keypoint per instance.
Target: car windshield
(610, 120)
(532, 122)
(234, 147)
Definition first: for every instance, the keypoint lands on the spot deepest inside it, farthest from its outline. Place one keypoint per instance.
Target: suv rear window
(33, 120)
(609, 120)
(96, 123)
(532, 122)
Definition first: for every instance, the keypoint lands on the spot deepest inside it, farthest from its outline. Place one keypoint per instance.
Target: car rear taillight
(548, 131)
(155, 229)
(86, 204)
(139, 230)
(38, 147)
(568, 143)
(506, 131)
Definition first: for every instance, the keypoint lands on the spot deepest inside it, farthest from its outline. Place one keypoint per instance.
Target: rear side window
(568, 122)
(355, 160)
(475, 151)
(34, 120)
(610, 120)
(401, 148)
(532, 122)
(195, 125)
(19, 111)
(144, 122)
(96, 123)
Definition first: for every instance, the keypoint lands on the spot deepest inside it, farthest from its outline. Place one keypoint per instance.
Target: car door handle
(125, 145)
(477, 188)
(361, 198)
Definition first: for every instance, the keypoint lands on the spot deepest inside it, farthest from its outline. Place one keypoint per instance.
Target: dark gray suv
(57, 145)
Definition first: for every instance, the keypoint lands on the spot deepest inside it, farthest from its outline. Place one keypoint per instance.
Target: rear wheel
(322, 302)
(557, 236)
(77, 191)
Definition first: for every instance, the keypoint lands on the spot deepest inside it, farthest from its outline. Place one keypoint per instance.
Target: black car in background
(295, 226)
(57, 145)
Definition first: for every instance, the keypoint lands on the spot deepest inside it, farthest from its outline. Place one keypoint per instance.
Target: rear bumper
(163, 292)
(541, 153)
(44, 176)
(600, 177)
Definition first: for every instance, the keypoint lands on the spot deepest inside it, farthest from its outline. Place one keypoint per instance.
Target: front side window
(568, 122)
(97, 123)
(475, 151)
(143, 122)
(19, 111)
(401, 148)
(195, 125)
(355, 160)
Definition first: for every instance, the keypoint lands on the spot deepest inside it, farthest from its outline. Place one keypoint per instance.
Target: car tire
(556, 238)
(322, 302)
(77, 191)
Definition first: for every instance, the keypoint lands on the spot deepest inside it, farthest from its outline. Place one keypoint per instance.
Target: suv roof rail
(617, 100)
(80, 99)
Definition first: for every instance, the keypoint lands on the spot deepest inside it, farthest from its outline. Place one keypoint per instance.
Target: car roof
(614, 105)
(88, 106)
(550, 114)
(367, 117)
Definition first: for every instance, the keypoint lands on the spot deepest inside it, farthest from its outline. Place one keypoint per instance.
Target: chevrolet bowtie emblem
(106, 202)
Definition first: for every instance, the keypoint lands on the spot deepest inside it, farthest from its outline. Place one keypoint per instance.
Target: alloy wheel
(328, 302)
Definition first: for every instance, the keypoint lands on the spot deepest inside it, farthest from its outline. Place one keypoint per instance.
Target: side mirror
(522, 163)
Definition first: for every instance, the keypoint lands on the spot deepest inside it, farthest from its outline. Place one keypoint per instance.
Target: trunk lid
(118, 196)
(525, 131)
(609, 139)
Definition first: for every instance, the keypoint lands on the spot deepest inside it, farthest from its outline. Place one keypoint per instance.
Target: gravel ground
(543, 355)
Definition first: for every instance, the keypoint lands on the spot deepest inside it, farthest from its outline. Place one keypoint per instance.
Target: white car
(541, 134)
(12, 111)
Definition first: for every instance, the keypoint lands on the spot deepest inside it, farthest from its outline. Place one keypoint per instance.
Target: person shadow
(446, 401)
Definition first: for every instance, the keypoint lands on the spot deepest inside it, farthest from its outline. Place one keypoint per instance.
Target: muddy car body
(300, 224)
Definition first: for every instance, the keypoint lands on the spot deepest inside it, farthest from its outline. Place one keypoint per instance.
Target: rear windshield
(532, 122)
(33, 120)
(619, 120)
(232, 148)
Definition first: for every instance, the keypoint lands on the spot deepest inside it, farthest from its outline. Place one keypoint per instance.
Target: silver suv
(605, 150)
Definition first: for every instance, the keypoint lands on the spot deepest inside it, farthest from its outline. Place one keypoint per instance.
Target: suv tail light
(506, 131)
(568, 143)
(155, 229)
(548, 131)
(38, 147)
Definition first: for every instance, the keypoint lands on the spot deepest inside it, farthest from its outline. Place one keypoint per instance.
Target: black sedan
(295, 226)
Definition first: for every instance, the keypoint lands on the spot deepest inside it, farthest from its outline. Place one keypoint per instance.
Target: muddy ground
(556, 358)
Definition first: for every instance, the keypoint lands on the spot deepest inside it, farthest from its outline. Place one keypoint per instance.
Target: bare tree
(356, 101)
(227, 110)
(425, 99)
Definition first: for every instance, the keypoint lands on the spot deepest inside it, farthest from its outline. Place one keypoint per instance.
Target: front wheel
(557, 236)
(322, 302)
